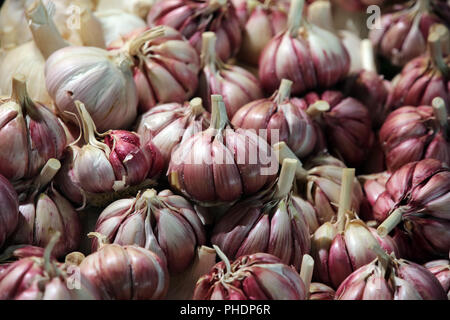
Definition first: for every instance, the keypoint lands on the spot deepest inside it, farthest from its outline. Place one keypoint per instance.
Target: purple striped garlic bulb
(126, 272)
(388, 278)
(45, 211)
(321, 182)
(107, 165)
(171, 124)
(194, 17)
(30, 134)
(347, 126)
(343, 247)
(166, 67)
(222, 164)
(164, 223)
(102, 79)
(415, 133)
(417, 199)
(426, 77)
(273, 224)
(441, 270)
(264, 21)
(258, 276)
(236, 85)
(41, 277)
(306, 54)
(283, 118)
(403, 34)
(9, 212)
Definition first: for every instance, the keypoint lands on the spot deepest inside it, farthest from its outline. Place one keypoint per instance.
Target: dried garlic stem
(295, 17)
(306, 272)
(391, 222)
(284, 152)
(345, 198)
(284, 92)
(287, 176)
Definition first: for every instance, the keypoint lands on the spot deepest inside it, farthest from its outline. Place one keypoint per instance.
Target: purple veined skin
(373, 186)
(193, 18)
(30, 134)
(258, 276)
(9, 212)
(41, 277)
(417, 201)
(282, 115)
(403, 34)
(166, 69)
(126, 272)
(309, 56)
(43, 211)
(441, 270)
(406, 281)
(262, 20)
(347, 126)
(106, 164)
(173, 123)
(272, 224)
(164, 223)
(221, 164)
(244, 8)
(415, 133)
(427, 76)
(236, 85)
(320, 291)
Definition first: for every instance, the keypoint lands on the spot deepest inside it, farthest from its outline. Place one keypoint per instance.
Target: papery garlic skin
(258, 276)
(347, 126)
(262, 24)
(192, 18)
(282, 115)
(107, 165)
(424, 214)
(409, 281)
(412, 134)
(126, 273)
(165, 223)
(171, 124)
(9, 205)
(38, 276)
(403, 34)
(44, 214)
(441, 270)
(103, 81)
(320, 291)
(338, 254)
(236, 85)
(30, 134)
(249, 227)
(309, 56)
(117, 23)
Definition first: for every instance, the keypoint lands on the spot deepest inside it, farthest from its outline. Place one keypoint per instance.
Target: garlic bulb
(30, 134)
(164, 223)
(117, 23)
(273, 224)
(28, 59)
(194, 17)
(172, 124)
(237, 86)
(220, 165)
(282, 116)
(306, 54)
(107, 165)
(45, 211)
(138, 8)
(126, 272)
